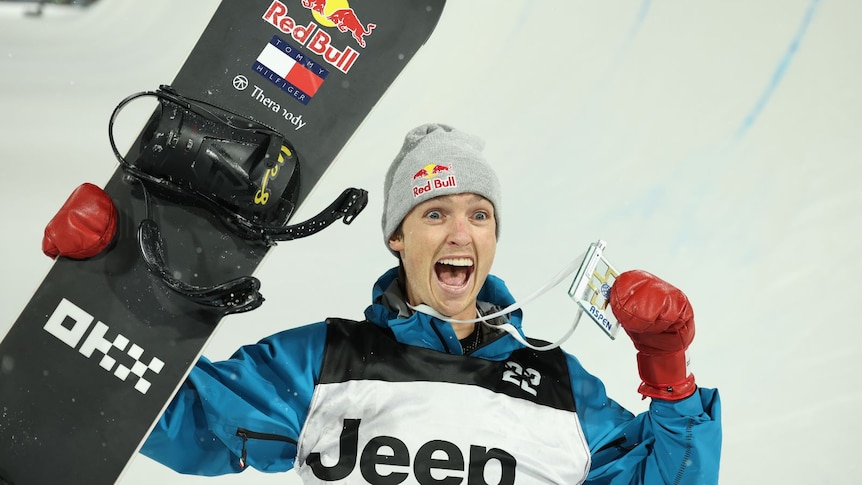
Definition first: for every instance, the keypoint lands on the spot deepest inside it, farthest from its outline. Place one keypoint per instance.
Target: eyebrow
(475, 198)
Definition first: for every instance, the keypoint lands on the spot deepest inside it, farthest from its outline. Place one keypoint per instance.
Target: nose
(459, 232)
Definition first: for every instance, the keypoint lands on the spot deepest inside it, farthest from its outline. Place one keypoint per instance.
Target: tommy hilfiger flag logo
(289, 69)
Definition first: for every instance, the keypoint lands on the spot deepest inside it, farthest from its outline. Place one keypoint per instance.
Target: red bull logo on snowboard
(327, 13)
(432, 177)
(341, 16)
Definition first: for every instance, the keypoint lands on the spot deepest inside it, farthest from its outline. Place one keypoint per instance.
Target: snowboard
(104, 343)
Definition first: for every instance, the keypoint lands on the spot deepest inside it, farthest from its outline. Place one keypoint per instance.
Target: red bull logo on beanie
(432, 177)
(327, 13)
(431, 170)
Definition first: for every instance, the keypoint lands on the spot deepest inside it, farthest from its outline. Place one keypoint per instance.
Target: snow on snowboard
(264, 103)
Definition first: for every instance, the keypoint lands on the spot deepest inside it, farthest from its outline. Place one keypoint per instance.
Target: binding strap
(235, 296)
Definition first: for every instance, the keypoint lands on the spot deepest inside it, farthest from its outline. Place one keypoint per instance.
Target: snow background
(711, 143)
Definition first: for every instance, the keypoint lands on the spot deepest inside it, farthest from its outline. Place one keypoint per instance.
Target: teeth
(457, 262)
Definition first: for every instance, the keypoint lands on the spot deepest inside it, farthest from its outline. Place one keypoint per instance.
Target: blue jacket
(268, 386)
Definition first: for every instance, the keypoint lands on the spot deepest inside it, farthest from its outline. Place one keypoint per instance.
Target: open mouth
(454, 272)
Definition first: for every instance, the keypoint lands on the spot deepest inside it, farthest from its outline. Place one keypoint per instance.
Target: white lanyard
(508, 327)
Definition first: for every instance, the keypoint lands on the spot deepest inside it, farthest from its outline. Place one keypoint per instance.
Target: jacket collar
(389, 310)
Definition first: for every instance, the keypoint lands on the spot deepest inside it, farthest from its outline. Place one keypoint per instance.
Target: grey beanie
(436, 160)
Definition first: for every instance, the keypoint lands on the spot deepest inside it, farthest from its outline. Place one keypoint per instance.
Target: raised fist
(83, 227)
(658, 318)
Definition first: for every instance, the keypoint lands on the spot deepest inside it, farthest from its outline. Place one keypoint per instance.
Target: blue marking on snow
(625, 47)
(780, 70)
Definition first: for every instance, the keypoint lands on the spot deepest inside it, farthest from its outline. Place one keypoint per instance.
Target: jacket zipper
(254, 435)
(442, 340)
(617, 443)
(496, 336)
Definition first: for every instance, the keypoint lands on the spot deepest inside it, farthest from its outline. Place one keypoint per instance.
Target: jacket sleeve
(674, 442)
(252, 405)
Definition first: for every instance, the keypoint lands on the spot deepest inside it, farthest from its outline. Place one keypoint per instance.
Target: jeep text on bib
(389, 413)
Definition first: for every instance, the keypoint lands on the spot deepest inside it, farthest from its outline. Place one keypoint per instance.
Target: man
(406, 397)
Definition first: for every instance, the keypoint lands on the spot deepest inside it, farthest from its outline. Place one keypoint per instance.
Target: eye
(433, 214)
(481, 216)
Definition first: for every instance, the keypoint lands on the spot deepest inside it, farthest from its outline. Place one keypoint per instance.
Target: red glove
(659, 319)
(83, 227)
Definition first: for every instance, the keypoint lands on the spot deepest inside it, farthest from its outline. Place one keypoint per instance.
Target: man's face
(447, 245)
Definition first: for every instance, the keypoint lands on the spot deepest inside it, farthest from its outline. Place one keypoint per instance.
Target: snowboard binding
(241, 171)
